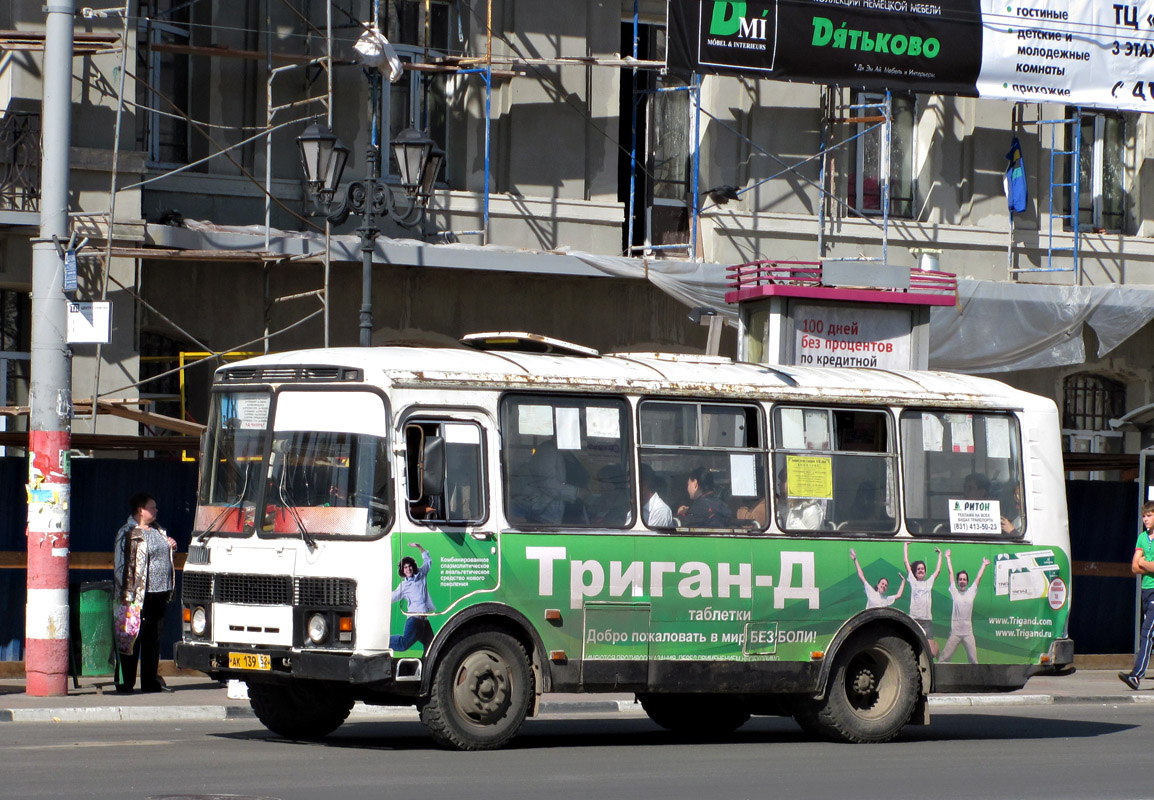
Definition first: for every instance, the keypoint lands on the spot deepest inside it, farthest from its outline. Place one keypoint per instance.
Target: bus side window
(835, 469)
(566, 461)
(963, 473)
(445, 472)
(705, 462)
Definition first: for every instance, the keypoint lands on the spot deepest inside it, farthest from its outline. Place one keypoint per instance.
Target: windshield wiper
(237, 503)
(289, 504)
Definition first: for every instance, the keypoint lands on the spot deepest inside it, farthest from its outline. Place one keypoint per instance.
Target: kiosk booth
(837, 313)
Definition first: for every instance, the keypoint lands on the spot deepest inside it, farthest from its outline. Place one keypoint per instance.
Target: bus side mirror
(433, 467)
(426, 464)
(414, 461)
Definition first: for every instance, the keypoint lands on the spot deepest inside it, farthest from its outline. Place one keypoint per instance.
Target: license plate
(249, 661)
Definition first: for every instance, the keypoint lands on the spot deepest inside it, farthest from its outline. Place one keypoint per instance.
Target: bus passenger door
(447, 519)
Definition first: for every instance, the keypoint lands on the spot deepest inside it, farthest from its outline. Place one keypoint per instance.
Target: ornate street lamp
(323, 158)
(419, 160)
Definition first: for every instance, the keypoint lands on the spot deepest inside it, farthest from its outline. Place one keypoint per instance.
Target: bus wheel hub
(482, 687)
(864, 683)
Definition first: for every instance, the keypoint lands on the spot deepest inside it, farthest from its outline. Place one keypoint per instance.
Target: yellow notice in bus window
(809, 476)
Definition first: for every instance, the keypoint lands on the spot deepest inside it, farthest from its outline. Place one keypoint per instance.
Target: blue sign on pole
(70, 271)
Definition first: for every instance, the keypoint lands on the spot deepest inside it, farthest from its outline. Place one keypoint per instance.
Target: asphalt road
(1072, 751)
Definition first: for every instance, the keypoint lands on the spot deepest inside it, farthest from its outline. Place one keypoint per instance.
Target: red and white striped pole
(50, 389)
(46, 622)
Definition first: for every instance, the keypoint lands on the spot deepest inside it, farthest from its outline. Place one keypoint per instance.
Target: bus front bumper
(274, 663)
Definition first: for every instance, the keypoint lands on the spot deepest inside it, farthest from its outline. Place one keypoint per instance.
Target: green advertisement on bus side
(740, 598)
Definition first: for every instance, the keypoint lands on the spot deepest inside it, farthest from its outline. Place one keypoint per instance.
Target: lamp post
(323, 157)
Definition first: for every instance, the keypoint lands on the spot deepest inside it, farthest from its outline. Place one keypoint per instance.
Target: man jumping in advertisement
(921, 595)
(876, 595)
(961, 621)
(414, 589)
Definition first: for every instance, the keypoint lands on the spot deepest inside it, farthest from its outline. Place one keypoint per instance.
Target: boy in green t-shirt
(1143, 564)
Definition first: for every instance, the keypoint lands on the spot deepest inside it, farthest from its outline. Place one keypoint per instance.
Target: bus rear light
(1045, 659)
(817, 655)
(553, 615)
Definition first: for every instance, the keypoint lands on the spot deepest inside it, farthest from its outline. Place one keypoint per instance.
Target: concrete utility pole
(50, 393)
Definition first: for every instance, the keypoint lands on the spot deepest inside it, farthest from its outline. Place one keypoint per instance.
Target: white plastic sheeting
(999, 326)
(996, 326)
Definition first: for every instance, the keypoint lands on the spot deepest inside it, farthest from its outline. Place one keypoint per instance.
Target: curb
(125, 714)
(363, 713)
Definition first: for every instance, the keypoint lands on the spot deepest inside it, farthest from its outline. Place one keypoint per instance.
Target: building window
(15, 344)
(1101, 149)
(160, 354)
(1091, 401)
(656, 116)
(165, 80)
(421, 99)
(870, 155)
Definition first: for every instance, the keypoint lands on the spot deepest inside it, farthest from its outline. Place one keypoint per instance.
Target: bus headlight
(318, 628)
(199, 621)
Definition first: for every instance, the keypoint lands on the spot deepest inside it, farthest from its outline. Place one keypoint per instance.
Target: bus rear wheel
(480, 693)
(695, 714)
(872, 693)
(300, 710)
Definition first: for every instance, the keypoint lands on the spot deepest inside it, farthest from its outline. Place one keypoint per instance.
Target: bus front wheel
(480, 692)
(872, 693)
(299, 710)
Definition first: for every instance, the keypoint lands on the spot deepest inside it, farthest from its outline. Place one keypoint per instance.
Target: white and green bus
(464, 530)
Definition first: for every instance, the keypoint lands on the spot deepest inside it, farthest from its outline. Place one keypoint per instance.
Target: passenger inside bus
(611, 506)
(868, 511)
(1012, 509)
(802, 513)
(551, 488)
(705, 509)
(753, 512)
(654, 510)
(976, 486)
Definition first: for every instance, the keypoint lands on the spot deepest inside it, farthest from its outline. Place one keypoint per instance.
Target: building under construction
(587, 192)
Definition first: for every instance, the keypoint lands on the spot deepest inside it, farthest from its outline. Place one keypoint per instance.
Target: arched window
(1090, 401)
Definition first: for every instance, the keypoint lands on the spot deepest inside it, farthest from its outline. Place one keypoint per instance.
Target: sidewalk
(196, 698)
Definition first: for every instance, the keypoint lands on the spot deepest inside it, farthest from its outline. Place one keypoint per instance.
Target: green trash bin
(93, 643)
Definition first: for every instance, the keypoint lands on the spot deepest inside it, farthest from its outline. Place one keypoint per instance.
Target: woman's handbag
(127, 624)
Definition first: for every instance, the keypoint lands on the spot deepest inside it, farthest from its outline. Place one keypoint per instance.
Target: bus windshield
(325, 482)
(230, 475)
(329, 466)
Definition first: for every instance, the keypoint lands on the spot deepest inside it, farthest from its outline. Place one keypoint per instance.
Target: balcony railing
(20, 161)
(758, 279)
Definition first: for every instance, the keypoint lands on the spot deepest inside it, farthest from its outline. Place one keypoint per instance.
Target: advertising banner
(1077, 52)
(872, 44)
(694, 598)
(851, 336)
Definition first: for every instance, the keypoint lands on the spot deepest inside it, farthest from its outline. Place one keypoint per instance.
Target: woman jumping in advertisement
(876, 595)
(961, 621)
(414, 588)
(921, 595)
